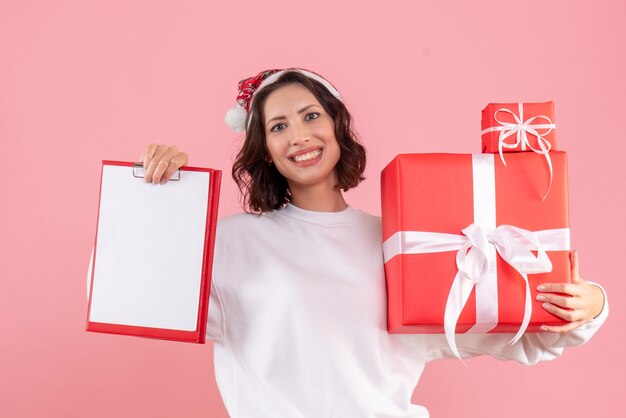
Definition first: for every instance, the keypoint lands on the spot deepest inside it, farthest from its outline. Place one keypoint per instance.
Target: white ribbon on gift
(476, 257)
(521, 129)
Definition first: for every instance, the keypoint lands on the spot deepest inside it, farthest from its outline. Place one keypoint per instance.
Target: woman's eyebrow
(284, 117)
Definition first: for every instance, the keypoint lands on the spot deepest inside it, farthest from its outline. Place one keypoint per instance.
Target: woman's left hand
(580, 303)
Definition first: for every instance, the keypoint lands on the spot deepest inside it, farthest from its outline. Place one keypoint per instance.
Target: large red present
(470, 239)
(511, 127)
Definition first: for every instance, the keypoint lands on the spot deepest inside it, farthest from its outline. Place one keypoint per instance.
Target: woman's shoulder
(367, 217)
(247, 223)
(232, 223)
(232, 230)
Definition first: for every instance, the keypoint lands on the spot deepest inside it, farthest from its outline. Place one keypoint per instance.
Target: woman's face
(300, 137)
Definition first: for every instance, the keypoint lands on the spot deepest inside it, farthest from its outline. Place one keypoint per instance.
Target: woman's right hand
(161, 161)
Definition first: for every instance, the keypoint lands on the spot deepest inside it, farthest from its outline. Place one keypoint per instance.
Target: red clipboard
(150, 272)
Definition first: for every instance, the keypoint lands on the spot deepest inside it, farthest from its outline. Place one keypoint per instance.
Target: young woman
(298, 299)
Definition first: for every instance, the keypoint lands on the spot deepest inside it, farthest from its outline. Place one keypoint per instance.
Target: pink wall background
(82, 81)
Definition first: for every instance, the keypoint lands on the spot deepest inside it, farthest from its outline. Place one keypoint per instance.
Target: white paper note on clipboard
(153, 254)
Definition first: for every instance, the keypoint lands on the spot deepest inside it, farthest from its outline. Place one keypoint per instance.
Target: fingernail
(163, 181)
(541, 297)
(543, 328)
(546, 306)
(541, 288)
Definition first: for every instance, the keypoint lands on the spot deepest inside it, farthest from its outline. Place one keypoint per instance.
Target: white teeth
(308, 156)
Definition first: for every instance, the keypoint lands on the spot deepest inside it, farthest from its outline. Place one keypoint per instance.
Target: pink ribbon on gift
(521, 129)
(476, 257)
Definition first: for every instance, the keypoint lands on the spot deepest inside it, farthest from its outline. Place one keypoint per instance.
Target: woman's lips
(307, 157)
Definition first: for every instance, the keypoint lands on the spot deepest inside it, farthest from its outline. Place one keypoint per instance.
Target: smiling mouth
(308, 156)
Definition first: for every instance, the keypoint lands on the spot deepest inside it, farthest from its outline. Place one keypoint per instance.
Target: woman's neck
(318, 198)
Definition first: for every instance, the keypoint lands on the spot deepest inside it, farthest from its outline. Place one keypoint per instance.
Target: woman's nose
(300, 134)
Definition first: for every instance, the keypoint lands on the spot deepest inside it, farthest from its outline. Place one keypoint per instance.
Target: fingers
(573, 289)
(164, 164)
(148, 154)
(161, 161)
(578, 301)
(561, 301)
(156, 163)
(562, 328)
(580, 308)
(176, 162)
(573, 256)
(566, 314)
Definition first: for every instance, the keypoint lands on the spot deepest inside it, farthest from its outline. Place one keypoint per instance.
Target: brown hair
(262, 187)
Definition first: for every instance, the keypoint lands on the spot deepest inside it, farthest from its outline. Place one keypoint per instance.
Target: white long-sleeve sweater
(298, 315)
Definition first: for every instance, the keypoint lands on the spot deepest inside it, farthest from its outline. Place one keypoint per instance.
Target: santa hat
(236, 116)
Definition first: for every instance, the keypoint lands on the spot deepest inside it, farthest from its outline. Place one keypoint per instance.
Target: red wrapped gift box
(441, 195)
(510, 127)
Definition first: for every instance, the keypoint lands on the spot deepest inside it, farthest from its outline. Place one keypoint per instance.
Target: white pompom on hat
(236, 116)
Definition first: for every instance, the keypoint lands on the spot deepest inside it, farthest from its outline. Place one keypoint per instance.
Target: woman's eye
(276, 126)
(315, 114)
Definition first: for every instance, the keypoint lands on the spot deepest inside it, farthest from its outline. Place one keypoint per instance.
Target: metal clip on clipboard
(139, 167)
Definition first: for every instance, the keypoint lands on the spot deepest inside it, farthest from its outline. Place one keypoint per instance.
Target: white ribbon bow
(474, 262)
(521, 128)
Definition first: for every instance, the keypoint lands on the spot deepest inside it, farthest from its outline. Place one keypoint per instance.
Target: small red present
(467, 240)
(512, 127)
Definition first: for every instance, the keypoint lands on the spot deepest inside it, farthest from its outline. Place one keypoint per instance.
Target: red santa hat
(236, 116)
